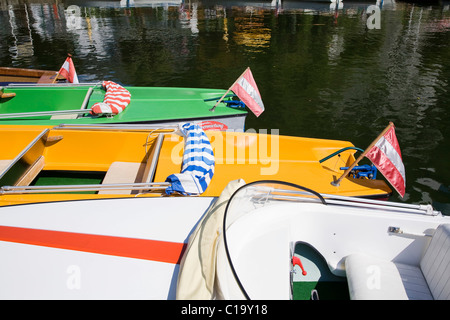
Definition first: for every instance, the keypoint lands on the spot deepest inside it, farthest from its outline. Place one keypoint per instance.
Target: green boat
(70, 104)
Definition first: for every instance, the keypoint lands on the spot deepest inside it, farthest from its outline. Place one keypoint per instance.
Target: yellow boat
(46, 164)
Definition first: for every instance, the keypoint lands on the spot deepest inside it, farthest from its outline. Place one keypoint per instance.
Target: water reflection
(321, 71)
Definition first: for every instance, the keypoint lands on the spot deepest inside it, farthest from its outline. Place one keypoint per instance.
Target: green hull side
(148, 104)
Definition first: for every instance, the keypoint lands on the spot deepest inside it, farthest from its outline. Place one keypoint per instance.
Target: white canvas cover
(198, 265)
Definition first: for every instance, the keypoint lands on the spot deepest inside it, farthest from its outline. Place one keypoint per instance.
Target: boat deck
(20, 75)
(148, 105)
(143, 159)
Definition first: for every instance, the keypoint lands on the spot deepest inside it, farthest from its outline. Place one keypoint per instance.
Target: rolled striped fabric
(198, 163)
(116, 99)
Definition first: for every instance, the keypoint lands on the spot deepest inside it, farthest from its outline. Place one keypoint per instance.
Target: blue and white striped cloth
(198, 163)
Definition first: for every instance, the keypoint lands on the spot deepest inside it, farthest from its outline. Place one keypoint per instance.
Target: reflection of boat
(125, 3)
(52, 105)
(94, 3)
(281, 241)
(150, 3)
(20, 75)
(306, 6)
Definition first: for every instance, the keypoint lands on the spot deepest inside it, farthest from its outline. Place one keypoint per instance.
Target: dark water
(322, 72)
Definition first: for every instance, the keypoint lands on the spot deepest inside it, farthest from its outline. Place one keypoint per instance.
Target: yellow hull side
(246, 156)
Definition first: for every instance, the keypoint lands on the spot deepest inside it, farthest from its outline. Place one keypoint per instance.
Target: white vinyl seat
(370, 278)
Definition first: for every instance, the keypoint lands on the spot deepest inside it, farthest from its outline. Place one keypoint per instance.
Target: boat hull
(109, 249)
(20, 75)
(149, 105)
(64, 152)
(138, 248)
(335, 229)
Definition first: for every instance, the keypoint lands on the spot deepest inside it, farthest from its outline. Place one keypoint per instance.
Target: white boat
(149, 248)
(107, 249)
(281, 241)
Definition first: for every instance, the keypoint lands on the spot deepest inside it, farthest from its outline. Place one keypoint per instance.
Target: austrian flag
(68, 71)
(386, 156)
(246, 89)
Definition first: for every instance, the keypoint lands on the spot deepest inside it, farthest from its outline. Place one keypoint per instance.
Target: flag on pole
(68, 70)
(385, 154)
(246, 89)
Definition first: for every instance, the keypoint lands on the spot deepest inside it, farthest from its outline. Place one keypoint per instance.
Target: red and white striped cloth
(68, 71)
(116, 99)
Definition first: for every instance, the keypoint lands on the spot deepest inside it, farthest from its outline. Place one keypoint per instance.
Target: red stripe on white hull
(162, 251)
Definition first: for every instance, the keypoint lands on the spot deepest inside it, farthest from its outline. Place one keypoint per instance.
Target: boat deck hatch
(60, 178)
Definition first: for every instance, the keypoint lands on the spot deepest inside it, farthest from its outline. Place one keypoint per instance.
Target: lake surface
(324, 71)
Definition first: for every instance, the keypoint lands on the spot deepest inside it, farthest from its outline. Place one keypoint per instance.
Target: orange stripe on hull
(155, 250)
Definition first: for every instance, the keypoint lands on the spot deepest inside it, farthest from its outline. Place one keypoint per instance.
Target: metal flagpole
(337, 182)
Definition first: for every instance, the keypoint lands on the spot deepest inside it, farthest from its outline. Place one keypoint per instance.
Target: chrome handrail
(84, 187)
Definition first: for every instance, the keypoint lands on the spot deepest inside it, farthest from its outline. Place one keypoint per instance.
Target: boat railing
(39, 85)
(118, 127)
(86, 98)
(281, 194)
(43, 113)
(54, 113)
(152, 161)
(152, 186)
(338, 152)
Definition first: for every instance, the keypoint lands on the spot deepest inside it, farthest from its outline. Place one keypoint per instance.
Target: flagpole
(220, 100)
(337, 182)
(57, 75)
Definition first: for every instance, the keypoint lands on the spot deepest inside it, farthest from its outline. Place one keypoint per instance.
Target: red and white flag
(68, 71)
(386, 156)
(246, 89)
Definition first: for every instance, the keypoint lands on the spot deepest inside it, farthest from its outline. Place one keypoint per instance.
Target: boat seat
(133, 172)
(123, 172)
(371, 278)
(64, 116)
(4, 164)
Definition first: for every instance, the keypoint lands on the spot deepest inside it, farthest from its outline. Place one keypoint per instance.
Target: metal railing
(84, 187)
